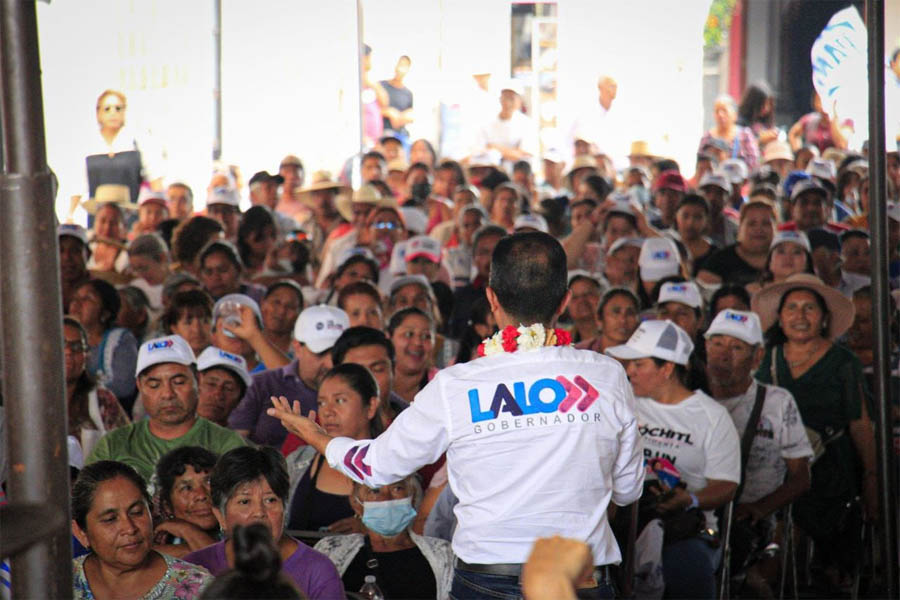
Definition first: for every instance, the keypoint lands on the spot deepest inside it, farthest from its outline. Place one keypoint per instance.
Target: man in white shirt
(777, 468)
(539, 436)
(510, 133)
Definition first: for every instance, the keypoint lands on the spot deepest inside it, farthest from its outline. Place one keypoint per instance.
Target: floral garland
(514, 339)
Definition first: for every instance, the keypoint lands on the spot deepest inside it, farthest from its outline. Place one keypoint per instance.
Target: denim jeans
(468, 585)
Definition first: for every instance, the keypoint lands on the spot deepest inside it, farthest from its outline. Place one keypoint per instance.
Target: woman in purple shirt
(251, 485)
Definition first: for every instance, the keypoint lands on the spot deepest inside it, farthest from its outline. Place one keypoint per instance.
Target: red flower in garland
(480, 350)
(510, 338)
(563, 337)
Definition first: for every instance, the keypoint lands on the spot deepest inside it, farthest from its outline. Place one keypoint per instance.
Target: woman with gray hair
(404, 564)
(148, 261)
(251, 485)
(726, 132)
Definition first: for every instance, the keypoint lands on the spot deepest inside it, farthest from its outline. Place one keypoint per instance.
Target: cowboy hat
(110, 193)
(841, 311)
(367, 194)
(321, 180)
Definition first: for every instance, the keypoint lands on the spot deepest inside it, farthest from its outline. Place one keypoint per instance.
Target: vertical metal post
(30, 300)
(217, 79)
(359, 52)
(880, 304)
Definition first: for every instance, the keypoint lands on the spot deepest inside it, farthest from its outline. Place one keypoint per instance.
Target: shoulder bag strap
(750, 433)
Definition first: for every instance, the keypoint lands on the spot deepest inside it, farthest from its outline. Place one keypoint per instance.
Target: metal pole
(217, 79)
(359, 52)
(880, 304)
(30, 300)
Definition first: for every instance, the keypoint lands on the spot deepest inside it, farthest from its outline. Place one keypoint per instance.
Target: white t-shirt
(696, 435)
(779, 435)
(526, 458)
(516, 132)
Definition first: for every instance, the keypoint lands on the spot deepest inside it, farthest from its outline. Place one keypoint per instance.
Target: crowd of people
(297, 397)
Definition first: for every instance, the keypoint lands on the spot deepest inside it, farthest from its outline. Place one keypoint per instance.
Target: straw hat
(582, 161)
(321, 180)
(367, 194)
(840, 308)
(640, 148)
(110, 193)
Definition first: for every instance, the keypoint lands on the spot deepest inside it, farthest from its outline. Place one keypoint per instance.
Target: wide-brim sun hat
(367, 194)
(841, 310)
(110, 193)
(321, 180)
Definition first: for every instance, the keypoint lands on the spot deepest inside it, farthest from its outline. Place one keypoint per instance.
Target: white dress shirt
(526, 458)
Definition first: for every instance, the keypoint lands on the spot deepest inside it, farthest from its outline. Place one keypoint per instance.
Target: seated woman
(182, 479)
(404, 564)
(111, 516)
(412, 333)
(696, 434)
(93, 409)
(112, 353)
(250, 485)
(347, 406)
(363, 304)
(617, 316)
(189, 315)
(789, 253)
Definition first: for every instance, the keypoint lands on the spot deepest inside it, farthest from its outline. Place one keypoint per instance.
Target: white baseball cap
(530, 220)
(659, 258)
(319, 327)
(658, 339)
(740, 324)
(423, 245)
(718, 180)
(795, 237)
(821, 168)
(625, 241)
(223, 195)
(685, 292)
(735, 170)
(72, 230)
(147, 195)
(214, 357)
(168, 349)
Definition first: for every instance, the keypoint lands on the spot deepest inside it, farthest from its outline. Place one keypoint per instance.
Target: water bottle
(370, 589)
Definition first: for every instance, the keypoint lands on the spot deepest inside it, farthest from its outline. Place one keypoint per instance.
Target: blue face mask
(388, 517)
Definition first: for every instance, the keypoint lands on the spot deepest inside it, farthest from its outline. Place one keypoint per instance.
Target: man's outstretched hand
(304, 427)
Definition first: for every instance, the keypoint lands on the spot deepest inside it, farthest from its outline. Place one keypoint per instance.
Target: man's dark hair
(487, 230)
(728, 289)
(354, 337)
(243, 465)
(189, 237)
(522, 165)
(666, 164)
(528, 275)
(494, 179)
(361, 287)
(694, 200)
(458, 173)
(373, 154)
(173, 465)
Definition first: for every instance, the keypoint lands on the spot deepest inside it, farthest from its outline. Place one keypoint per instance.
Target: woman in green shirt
(803, 318)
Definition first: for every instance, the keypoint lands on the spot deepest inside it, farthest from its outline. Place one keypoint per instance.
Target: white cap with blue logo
(685, 292)
(168, 349)
(657, 339)
(659, 258)
(318, 327)
(213, 357)
(740, 324)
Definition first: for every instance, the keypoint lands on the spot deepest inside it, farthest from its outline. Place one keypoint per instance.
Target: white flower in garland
(531, 338)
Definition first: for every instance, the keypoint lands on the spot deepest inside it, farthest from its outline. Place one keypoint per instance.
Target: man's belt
(515, 569)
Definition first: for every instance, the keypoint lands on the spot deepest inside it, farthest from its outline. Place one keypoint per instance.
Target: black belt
(602, 572)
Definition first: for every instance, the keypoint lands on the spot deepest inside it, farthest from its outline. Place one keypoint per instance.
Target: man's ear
(492, 299)
(562, 306)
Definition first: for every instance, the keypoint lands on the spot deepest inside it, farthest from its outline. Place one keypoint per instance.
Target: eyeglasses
(386, 225)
